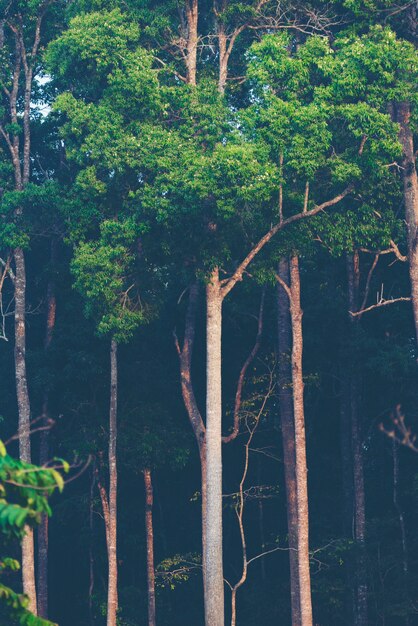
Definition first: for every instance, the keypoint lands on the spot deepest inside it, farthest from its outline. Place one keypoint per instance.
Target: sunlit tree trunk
(192, 14)
(28, 550)
(149, 531)
(288, 433)
(300, 447)
(214, 583)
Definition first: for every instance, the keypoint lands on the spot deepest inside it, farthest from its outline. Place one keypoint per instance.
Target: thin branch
(378, 305)
(401, 433)
(368, 281)
(185, 354)
(246, 365)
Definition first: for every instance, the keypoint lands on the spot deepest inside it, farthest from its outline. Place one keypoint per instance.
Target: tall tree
(22, 27)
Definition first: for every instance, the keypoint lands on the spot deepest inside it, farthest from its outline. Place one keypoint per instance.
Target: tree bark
(185, 354)
(346, 455)
(288, 434)
(213, 578)
(347, 502)
(44, 449)
(410, 194)
(192, 14)
(149, 529)
(28, 550)
(360, 609)
(401, 517)
(300, 447)
(112, 597)
(91, 544)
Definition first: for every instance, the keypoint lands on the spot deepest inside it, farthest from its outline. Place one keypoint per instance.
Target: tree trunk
(43, 537)
(112, 597)
(300, 447)
(288, 434)
(410, 194)
(360, 612)
(347, 503)
(213, 577)
(28, 551)
(346, 455)
(44, 450)
(223, 57)
(401, 517)
(185, 360)
(149, 530)
(192, 13)
(91, 545)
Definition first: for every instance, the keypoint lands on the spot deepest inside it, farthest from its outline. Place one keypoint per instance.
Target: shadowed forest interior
(208, 313)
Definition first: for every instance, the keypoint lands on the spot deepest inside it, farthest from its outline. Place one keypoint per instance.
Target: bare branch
(185, 354)
(241, 378)
(379, 304)
(401, 433)
(368, 281)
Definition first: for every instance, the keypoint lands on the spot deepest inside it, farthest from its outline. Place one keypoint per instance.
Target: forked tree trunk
(288, 434)
(149, 531)
(360, 609)
(44, 449)
(112, 597)
(300, 447)
(410, 194)
(213, 576)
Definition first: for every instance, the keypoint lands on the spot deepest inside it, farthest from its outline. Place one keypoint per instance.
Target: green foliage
(104, 273)
(24, 493)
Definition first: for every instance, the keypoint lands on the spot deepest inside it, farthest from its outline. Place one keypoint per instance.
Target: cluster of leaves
(24, 493)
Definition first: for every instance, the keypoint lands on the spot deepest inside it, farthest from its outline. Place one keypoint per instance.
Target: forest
(208, 313)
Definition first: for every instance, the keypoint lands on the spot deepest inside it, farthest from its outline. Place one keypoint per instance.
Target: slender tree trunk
(149, 529)
(223, 57)
(360, 613)
(185, 354)
(43, 539)
(112, 598)
(261, 525)
(346, 455)
(28, 551)
(192, 14)
(213, 578)
(44, 449)
(91, 545)
(401, 517)
(410, 193)
(347, 508)
(288, 434)
(300, 447)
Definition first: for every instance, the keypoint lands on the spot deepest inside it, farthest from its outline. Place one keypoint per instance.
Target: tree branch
(378, 305)
(229, 283)
(241, 378)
